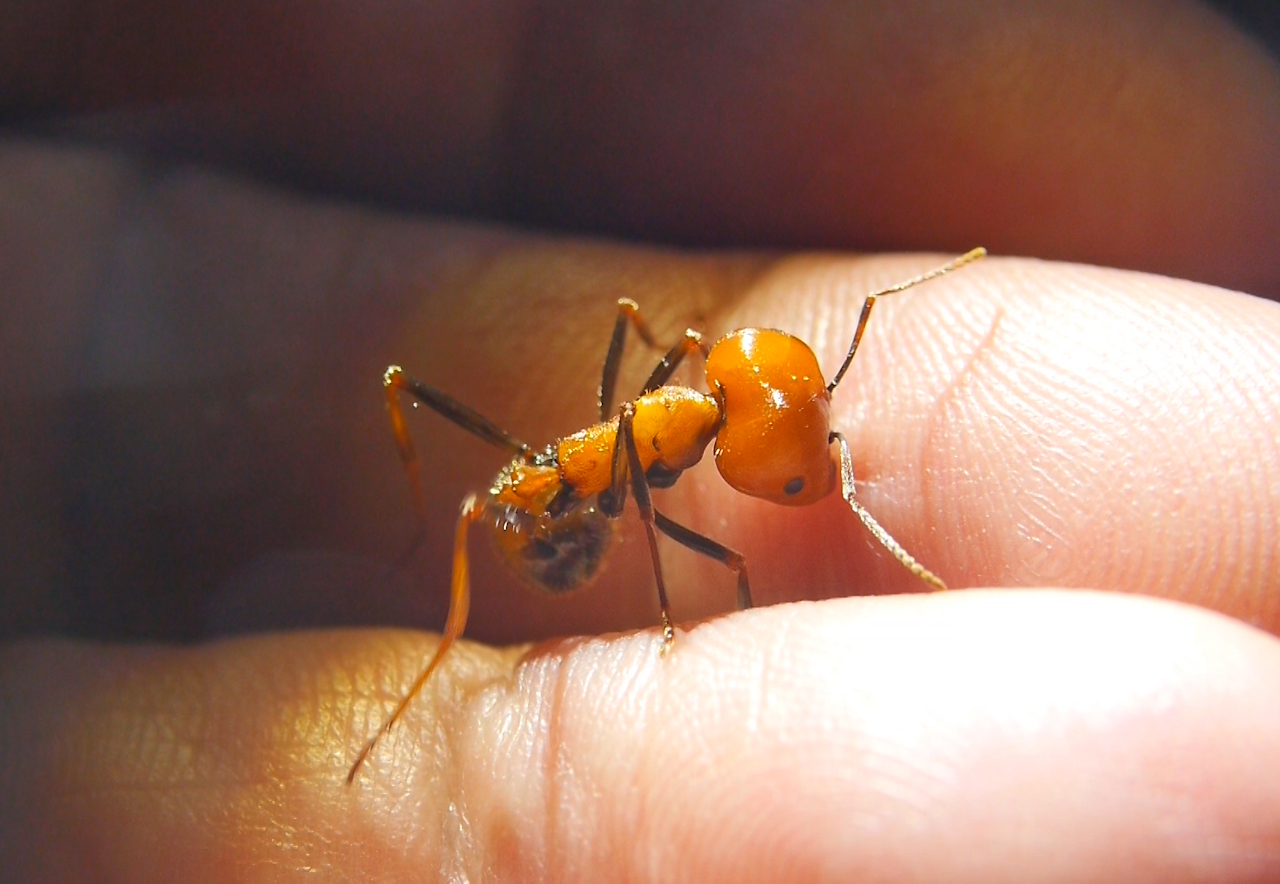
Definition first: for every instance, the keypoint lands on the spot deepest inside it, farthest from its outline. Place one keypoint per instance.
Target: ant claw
(668, 635)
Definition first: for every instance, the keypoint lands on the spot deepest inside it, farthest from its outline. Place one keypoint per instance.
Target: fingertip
(1099, 735)
(1026, 423)
(905, 736)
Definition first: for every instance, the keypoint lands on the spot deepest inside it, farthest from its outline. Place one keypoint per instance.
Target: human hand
(964, 735)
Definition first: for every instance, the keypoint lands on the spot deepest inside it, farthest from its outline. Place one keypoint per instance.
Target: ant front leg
(691, 341)
(626, 441)
(655, 521)
(629, 313)
(700, 543)
(886, 539)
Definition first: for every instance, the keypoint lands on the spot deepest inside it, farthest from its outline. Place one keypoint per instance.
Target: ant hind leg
(459, 606)
(628, 313)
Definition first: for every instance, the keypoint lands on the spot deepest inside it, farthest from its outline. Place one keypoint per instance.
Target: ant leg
(628, 311)
(667, 367)
(640, 487)
(966, 258)
(885, 538)
(459, 605)
(395, 381)
(612, 501)
(730, 558)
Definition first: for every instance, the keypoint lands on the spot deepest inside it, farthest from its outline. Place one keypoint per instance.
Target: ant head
(775, 437)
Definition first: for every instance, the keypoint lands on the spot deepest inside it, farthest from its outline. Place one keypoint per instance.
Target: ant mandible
(552, 512)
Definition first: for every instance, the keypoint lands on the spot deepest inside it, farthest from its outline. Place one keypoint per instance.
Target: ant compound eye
(795, 486)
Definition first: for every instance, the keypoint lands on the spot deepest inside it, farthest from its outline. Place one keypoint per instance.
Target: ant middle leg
(691, 341)
(886, 539)
(655, 521)
(700, 543)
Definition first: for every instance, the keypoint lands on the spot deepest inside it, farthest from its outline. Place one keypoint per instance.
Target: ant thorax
(672, 427)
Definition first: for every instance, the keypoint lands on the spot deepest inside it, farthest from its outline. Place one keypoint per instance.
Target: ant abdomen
(775, 434)
(557, 555)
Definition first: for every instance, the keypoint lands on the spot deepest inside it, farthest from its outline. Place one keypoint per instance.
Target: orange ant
(552, 512)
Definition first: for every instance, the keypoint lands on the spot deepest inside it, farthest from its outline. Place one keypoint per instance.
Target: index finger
(1021, 423)
(1011, 420)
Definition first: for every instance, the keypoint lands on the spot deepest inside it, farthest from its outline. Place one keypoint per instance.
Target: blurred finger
(1128, 134)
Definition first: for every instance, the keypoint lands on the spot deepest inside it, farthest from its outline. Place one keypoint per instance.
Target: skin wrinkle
(554, 862)
(1265, 451)
(396, 770)
(392, 470)
(461, 817)
(464, 727)
(1044, 399)
(650, 777)
(1230, 385)
(1104, 403)
(565, 785)
(983, 350)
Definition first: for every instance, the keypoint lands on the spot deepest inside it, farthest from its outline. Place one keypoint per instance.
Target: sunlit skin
(552, 513)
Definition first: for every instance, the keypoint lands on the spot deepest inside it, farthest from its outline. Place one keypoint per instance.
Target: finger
(967, 737)
(1020, 423)
(220, 428)
(1135, 135)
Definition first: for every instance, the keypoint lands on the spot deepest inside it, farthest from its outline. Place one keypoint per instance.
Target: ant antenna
(966, 258)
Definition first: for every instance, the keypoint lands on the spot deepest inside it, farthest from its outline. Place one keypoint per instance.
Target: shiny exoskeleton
(552, 512)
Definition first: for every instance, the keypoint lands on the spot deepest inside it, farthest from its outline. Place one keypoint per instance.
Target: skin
(194, 446)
